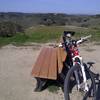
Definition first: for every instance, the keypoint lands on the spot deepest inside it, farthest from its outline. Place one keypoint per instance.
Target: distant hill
(33, 19)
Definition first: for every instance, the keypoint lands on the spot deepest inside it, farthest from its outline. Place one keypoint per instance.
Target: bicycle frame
(72, 49)
(77, 59)
(79, 74)
(83, 73)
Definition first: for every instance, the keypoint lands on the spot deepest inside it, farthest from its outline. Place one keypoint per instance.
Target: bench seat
(49, 63)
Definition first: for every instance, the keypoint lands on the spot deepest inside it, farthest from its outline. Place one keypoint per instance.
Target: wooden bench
(49, 63)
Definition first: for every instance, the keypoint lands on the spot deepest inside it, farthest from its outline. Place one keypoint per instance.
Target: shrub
(8, 29)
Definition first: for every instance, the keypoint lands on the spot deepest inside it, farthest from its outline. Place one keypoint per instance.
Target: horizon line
(50, 13)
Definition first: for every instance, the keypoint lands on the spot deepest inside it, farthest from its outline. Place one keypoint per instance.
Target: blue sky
(56, 6)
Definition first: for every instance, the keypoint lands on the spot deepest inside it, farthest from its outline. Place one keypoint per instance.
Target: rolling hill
(32, 19)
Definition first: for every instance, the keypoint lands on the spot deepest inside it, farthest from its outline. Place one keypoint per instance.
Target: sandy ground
(16, 64)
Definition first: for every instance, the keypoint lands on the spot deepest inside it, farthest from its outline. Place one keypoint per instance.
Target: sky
(51, 6)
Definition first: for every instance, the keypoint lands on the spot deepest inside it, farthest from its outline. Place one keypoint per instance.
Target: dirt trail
(16, 63)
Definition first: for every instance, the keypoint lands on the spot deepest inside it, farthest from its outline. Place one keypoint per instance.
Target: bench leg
(40, 84)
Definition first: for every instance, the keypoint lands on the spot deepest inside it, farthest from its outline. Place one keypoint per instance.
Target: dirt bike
(79, 83)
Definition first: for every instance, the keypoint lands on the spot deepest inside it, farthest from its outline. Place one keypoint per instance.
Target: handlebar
(83, 39)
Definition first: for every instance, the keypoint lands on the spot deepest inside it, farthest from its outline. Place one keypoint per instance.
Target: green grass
(19, 38)
(53, 33)
(95, 35)
(42, 34)
(53, 89)
(53, 86)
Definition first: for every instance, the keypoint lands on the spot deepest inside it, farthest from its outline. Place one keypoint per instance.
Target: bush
(8, 29)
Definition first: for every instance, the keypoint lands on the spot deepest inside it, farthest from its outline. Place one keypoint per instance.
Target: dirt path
(16, 63)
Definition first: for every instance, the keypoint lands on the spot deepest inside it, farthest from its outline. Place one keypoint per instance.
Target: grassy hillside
(53, 33)
(43, 34)
(31, 19)
(49, 27)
